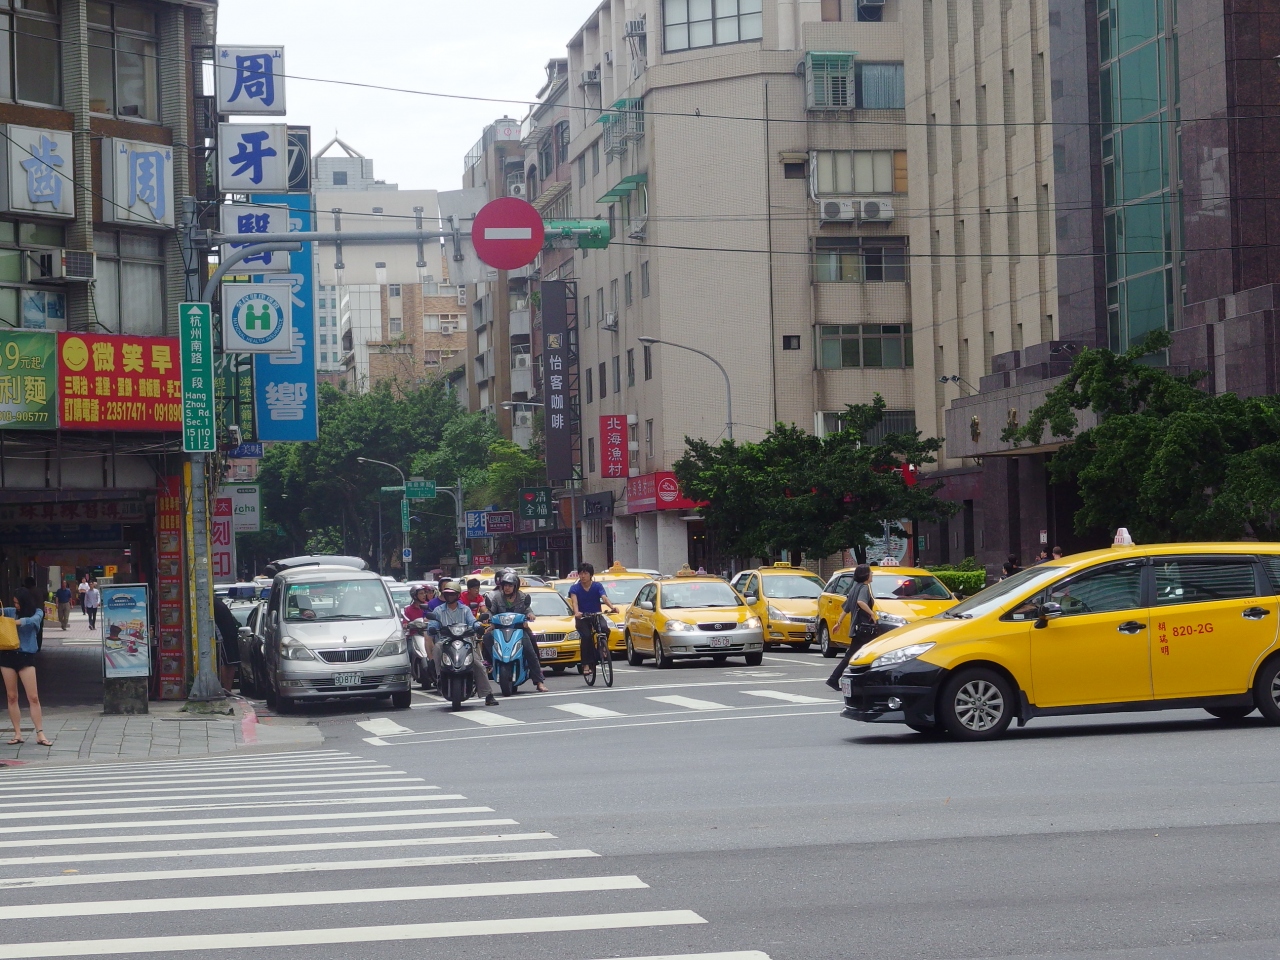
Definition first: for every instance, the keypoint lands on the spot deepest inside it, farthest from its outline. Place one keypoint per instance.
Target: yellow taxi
(691, 616)
(902, 594)
(785, 598)
(553, 629)
(1131, 628)
(562, 586)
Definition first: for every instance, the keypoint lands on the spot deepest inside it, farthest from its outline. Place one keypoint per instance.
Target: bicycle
(604, 659)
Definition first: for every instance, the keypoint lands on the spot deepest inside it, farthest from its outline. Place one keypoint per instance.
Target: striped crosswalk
(248, 855)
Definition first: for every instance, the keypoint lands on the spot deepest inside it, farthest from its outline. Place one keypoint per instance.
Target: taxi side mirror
(646, 604)
(1048, 611)
(750, 597)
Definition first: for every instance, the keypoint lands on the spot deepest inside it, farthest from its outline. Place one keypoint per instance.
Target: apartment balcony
(520, 323)
(522, 381)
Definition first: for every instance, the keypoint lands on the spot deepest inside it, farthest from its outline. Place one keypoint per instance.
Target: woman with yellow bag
(19, 644)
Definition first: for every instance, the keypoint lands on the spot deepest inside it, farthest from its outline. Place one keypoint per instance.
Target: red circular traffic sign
(507, 233)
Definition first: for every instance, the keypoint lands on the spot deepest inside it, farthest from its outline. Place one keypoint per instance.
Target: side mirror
(646, 604)
(483, 616)
(1048, 611)
(750, 597)
(244, 633)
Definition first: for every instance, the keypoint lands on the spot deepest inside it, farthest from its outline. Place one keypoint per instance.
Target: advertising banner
(250, 80)
(137, 183)
(222, 541)
(613, 447)
(253, 156)
(245, 506)
(535, 503)
(112, 382)
(126, 631)
(28, 380)
(255, 218)
(475, 525)
(233, 376)
(173, 651)
(557, 360)
(499, 522)
(38, 175)
(656, 491)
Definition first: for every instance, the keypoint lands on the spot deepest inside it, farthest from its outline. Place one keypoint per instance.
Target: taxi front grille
(720, 627)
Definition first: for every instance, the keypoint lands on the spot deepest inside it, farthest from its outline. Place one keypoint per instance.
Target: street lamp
(728, 390)
(512, 404)
(404, 493)
(957, 379)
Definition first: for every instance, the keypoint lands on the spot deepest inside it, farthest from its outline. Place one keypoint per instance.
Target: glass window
(1272, 566)
(792, 587)
(881, 86)
(1200, 581)
(628, 288)
(631, 368)
(853, 260)
(644, 279)
(1136, 22)
(893, 586)
(648, 362)
(1108, 590)
(865, 345)
(589, 387)
(549, 604)
(688, 24)
(700, 593)
(622, 591)
(124, 69)
(1141, 78)
(338, 600)
(37, 52)
(128, 296)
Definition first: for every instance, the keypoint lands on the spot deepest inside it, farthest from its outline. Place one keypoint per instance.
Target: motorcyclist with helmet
(509, 598)
(453, 612)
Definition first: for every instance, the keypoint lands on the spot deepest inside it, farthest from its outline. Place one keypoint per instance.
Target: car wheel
(1229, 713)
(802, 647)
(768, 646)
(558, 671)
(755, 659)
(976, 704)
(824, 641)
(1266, 690)
(283, 705)
(660, 656)
(633, 658)
(402, 699)
(270, 695)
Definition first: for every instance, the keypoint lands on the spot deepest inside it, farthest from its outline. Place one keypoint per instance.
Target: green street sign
(535, 503)
(199, 404)
(393, 489)
(28, 380)
(418, 489)
(404, 516)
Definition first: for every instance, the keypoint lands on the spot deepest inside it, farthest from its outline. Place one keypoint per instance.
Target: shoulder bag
(9, 634)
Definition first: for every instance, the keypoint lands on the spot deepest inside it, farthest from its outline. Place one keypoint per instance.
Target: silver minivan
(333, 632)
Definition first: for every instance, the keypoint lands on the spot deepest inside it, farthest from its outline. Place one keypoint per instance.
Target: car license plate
(719, 641)
(846, 686)
(346, 679)
(548, 653)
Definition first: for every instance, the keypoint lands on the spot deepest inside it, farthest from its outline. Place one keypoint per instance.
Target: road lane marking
(488, 719)
(335, 935)
(691, 703)
(160, 769)
(209, 821)
(788, 697)
(381, 787)
(192, 807)
(588, 710)
(276, 848)
(247, 834)
(380, 726)
(731, 955)
(9, 792)
(445, 891)
(271, 869)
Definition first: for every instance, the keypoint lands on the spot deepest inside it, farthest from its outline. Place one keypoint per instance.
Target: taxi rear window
(1272, 566)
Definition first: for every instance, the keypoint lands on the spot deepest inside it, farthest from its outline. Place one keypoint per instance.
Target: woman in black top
(862, 628)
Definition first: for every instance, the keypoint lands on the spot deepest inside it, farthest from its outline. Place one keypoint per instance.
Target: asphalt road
(693, 812)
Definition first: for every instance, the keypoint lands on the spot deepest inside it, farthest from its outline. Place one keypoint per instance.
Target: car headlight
(751, 623)
(901, 655)
(679, 626)
(893, 620)
(572, 635)
(392, 648)
(775, 613)
(296, 651)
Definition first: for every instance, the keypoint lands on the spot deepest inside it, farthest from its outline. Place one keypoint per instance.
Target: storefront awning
(624, 187)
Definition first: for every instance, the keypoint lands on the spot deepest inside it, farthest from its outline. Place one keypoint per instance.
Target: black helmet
(509, 577)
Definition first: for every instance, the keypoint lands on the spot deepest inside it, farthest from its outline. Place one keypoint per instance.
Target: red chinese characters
(613, 447)
(108, 382)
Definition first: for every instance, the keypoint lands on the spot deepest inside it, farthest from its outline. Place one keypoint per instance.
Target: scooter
(457, 654)
(421, 665)
(508, 651)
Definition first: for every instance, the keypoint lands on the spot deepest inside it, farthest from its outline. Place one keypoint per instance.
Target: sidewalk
(69, 675)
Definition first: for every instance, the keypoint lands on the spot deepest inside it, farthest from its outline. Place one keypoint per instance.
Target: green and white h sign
(195, 332)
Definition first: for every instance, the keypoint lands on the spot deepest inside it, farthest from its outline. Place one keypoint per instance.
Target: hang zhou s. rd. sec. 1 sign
(256, 318)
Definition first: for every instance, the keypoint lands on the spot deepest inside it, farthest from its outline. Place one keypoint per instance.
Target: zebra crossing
(253, 855)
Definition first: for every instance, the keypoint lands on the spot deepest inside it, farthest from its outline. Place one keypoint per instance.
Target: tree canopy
(1166, 459)
(806, 494)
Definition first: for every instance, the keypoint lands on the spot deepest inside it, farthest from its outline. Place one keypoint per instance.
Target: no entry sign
(507, 233)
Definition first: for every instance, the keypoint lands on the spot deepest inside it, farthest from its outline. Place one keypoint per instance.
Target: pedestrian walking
(92, 600)
(20, 665)
(81, 590)
(63, 599)
(863, 625)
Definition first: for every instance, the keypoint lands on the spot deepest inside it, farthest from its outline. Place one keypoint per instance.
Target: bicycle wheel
(588, 675)
(606, 659)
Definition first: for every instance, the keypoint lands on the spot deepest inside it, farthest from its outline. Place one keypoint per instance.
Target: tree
(1166, 459)
(510, 468)
(806, 494)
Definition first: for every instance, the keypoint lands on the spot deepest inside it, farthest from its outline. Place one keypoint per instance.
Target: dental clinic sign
(137, 183)
(250, 80)
(38, 172)
(256, 318)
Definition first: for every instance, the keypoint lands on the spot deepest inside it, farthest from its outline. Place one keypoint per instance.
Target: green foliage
(510, 468)
(809, 495)
(963, 583)
(1166, 460)
(967, 565)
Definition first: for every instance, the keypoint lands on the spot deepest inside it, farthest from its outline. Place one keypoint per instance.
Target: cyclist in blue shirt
(587, 597)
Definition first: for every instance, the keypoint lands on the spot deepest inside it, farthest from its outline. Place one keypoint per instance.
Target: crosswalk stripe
(788, 697)
(275, 848)
(272, 869)
(589, 710)
(731, 955)
(143, 776)
(448, 891)
(690, 703)
(246, 834)
(196, 783)
(486, 719)
(382, 786)
(289, 758)
(382, 726)
(184, 807)
(336, 935)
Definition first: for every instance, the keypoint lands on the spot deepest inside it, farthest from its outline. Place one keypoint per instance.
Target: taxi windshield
(548, 605)
(897, 586)
(999, 594)
(791, 587)
(684, 596)
(623, 591)
(337, 600)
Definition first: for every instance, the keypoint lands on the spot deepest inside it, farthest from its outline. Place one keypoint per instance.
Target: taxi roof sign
(783, 563)
(1122, 538)
(617, 568)
(686, 571)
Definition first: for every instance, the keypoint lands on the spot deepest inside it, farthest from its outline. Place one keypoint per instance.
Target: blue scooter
(508, 651)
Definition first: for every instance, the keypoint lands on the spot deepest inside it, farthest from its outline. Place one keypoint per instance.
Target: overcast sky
(485, 48)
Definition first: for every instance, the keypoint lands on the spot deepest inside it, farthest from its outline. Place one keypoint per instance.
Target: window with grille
(865, 345)
(829, 81)
(844, 172)
(860, 260)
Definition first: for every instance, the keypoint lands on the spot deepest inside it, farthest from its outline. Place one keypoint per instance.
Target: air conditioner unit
(875, 211)
(517, 188)
(520, 361)
(608, 57)
(839, 211)
(462, 296)
(590, 77)
(634, 28)
(522, 418)
(59, 266)
(610, 321)
(448, 329)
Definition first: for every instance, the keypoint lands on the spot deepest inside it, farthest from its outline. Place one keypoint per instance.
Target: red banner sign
(657, 491)
(613, 447)
(108, 382)
(172, 664)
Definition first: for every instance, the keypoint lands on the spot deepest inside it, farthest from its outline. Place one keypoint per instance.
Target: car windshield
(791, 587)
(562, 587)
(241, 612)
(683, 596)
(548, 605)
(337, 600)
(897, 586)
(623, 591)
(400, 596)
(999, 594)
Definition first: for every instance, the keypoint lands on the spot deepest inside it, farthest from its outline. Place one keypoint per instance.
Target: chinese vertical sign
(196, 337)
(556, 355)
(250, 80)
(109, 382)
(285, 383)
(173, 656)
(253, 156)
(28, 380)
(613, 447)
(38, 172)
(535, 503)
(137, 182)
(222, 546)
(241, 218)
(233, 373)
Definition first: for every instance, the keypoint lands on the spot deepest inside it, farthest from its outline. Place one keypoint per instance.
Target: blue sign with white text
(246, 451)
(285, 383)
(476, 528)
